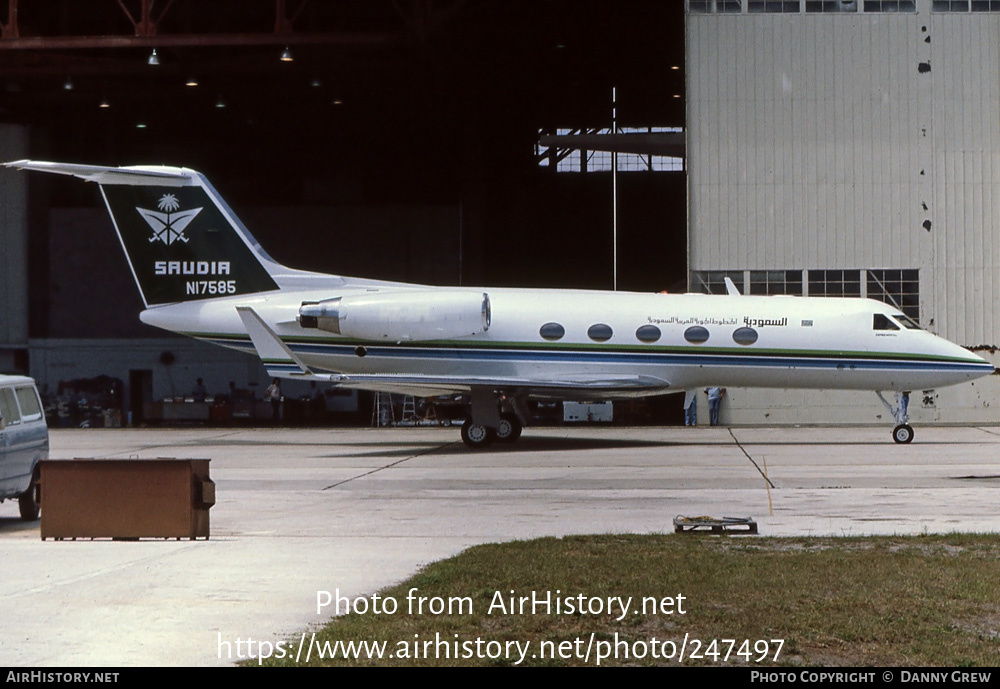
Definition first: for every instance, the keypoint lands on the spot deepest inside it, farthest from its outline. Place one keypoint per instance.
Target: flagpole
(614, 188)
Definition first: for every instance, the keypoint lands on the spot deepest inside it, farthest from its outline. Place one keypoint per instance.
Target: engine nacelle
(400, 316)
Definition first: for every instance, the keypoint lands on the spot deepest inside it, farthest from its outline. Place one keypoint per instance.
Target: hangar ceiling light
(154, 59)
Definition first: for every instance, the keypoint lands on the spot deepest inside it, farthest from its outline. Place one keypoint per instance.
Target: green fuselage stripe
(594, 347)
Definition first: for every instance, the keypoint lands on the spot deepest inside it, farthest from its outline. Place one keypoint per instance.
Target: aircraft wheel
(477, 436)
(27, 505)
(902, 433)
(509, 429)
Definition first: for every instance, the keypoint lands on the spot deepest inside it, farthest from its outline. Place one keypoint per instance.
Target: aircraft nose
(992, 367)
(983, 366)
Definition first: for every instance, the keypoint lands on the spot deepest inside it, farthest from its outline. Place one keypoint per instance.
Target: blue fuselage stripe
(590, 356)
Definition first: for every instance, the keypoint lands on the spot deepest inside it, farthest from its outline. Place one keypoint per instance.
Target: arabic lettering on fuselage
(764, 322)
(712, 320)
(693, 320)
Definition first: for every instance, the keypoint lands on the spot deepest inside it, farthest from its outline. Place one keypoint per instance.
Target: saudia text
(191, 268)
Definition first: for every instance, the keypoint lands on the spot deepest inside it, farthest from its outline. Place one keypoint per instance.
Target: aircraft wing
(281, 362)
(603, 387)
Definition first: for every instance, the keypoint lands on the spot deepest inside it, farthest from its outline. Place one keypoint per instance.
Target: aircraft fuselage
(686, 340)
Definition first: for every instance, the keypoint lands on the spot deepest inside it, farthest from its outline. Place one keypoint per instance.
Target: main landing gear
(492, 417)
(903, 432)
(479, 436)
(510, 428)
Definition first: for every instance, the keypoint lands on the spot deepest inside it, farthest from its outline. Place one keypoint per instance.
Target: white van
(24, 442)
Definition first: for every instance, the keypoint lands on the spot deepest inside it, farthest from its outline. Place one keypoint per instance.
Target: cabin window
(881, 322)
(552, 331)
(744, 336)
(696, 334)
(599, 332)
(647, 333)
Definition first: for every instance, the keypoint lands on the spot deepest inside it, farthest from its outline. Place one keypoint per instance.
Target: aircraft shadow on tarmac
(544, 443)
(526, 444)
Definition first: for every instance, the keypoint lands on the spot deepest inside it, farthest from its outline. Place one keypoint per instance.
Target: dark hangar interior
(399, 142)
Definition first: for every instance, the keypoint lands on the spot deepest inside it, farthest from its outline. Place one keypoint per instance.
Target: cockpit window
(882, 322)
(907, 322)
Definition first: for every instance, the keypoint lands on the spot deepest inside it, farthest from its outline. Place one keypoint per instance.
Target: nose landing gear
(903, 432)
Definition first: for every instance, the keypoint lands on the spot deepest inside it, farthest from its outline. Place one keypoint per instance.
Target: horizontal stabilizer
(278, 359)
(136, 175)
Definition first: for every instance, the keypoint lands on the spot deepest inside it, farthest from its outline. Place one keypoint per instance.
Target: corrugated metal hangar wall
(850, 148)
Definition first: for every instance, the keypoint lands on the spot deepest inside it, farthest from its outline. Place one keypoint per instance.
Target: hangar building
(850, 148)
(832, 147)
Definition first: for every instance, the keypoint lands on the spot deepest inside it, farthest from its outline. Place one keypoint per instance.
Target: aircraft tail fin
(182, 241)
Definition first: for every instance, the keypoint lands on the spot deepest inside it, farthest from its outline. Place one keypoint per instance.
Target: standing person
(691, 411)
(274, 394)
(199, 393)
(714, 400)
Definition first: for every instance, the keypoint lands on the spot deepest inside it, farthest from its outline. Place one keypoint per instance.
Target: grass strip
(880, 601)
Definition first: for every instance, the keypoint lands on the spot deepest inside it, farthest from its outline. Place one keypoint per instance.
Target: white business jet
(201, 273)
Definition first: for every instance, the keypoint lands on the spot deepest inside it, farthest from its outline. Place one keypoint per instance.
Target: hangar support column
(14, 252)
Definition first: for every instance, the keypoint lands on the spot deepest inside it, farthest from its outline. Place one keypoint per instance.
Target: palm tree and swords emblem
(168, 224)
